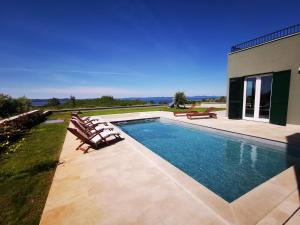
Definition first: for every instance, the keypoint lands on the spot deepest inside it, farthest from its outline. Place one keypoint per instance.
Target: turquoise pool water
(225, 164)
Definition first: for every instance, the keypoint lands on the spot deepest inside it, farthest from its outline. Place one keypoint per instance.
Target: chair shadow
(180, 115)
(102, 146)
(293, 149)
(201, 118)
(293, 152)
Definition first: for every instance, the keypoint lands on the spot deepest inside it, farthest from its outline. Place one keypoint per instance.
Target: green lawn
(131, 110)
(26, 175)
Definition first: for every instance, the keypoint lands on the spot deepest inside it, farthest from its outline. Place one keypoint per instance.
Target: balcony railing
(266, 38)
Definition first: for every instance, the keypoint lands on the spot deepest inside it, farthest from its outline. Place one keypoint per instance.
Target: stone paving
(126, 183)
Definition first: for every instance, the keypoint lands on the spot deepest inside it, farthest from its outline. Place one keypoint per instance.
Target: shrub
(110, 101)
(72, 100)
(10, 106)
(13, 130)
(180, 99)
(221, 99)
(104, 101)
(53, 102)
(8, 135)
(24, 104)
(107, 100)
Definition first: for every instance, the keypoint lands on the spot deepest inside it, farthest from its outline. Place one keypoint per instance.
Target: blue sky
(127, 48)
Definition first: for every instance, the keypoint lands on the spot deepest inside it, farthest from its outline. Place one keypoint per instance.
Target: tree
(8, 106)
(180, 99)
(53, 102)
(221, 99)
(107, 100)
(24, 104)
(73, 100)
(151, 102)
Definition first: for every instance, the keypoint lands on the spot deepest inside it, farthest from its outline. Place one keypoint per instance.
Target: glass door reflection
(250, 97)
(265, 97)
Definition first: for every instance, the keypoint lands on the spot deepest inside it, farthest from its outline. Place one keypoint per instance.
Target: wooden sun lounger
(88, 120)
(207, 112)
(89, 130)
(92, 140)
(190, 110)
(85, 119)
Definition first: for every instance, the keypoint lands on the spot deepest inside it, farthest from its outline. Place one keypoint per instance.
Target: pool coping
(235, 134)
(251, 207)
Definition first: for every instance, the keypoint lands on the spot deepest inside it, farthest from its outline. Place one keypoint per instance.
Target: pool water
(225, 164)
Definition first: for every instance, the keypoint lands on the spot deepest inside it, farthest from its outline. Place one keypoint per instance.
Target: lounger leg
(85, 150)
(82, 143)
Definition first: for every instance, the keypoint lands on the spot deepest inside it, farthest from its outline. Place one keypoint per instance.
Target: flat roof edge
(278, 39)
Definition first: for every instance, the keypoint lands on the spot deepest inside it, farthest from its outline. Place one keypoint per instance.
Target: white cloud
(98, 91)
(72, 71)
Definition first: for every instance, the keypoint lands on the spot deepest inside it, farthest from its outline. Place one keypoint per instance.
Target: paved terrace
(126, 183)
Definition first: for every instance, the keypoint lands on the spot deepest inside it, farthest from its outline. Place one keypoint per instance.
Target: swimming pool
(227, 164)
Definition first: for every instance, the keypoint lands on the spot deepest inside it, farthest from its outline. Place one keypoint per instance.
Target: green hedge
(13, 129)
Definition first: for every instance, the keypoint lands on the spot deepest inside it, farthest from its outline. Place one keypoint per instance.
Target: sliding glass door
(250, 97)
(257, 97)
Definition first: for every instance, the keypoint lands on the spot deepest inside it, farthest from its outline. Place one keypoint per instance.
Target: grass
(26, 175)
(132, 110)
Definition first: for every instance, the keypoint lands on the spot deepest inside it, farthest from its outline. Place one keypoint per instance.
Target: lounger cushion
(101, 127)
(104, 135)
(94, 120)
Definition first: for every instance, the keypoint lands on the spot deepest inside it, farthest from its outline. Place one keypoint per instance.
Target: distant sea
(156, 100)
(42, 102)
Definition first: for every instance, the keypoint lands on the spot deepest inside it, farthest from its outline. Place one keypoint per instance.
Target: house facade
(264, 78)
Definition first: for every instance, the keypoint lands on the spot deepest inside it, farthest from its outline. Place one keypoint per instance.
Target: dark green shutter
(235, 107)
(280, 97)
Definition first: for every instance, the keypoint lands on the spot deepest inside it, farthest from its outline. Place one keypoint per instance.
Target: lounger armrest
(96, 124)
(93, 120)
(98, 132)
(86, 118)
(91, 128)
(88, 123)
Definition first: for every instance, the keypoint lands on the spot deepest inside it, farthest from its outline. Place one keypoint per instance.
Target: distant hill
(42, 102)
(156, 100)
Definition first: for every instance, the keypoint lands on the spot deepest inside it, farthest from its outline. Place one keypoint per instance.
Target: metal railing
(266, 38)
